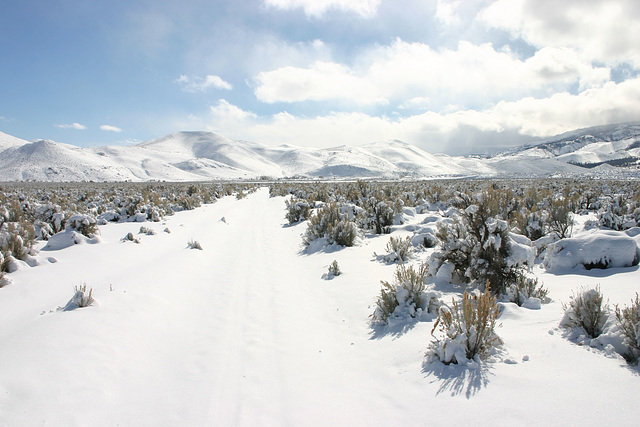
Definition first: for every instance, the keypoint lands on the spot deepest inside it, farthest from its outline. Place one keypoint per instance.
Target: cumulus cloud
(110, 128)
(603, 30)
(319, 82)
(76, 126)
(468, 75)
(199, 84)
(317, 8)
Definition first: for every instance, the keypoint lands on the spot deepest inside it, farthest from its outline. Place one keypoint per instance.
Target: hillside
(197, 156)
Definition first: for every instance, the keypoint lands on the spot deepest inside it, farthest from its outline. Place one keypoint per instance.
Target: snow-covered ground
(247, 332)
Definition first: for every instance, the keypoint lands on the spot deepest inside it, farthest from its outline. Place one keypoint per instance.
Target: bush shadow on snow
(393, 329)
(594, 272)
(458, 379)
(320, 245)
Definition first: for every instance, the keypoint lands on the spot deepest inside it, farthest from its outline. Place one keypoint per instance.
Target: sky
(450, 76)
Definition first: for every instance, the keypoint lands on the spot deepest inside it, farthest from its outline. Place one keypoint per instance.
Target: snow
(247, 332)
(600, 249)
(198, 156)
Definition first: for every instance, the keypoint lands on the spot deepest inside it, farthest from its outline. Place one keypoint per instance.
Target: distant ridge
(198, 155)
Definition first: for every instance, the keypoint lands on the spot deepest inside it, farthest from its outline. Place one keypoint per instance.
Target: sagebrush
(628, 319)
(405, 296)
(466, 330)
(587, 310)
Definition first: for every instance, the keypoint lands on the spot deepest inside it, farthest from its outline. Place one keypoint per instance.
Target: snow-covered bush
(194, 244)
(84, 224)
(629, 321)
(586, 310)
(147, 231)
(130, 238)
(524, 288)
(4, 281)
(380, 214)
(478, 247)
(405, 297)
(532, 225)
(16, 239)
(603, 249)
(466, 329)
(334, 270)
(332, 223)
(297, 210)
(81, 298)
(398, 250)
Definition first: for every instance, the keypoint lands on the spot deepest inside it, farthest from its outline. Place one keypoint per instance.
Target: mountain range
(608, 151)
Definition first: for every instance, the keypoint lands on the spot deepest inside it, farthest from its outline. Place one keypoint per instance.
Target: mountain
(195, 156)
(616, 145)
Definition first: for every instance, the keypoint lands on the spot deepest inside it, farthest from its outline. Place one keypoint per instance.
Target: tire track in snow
(248, 389)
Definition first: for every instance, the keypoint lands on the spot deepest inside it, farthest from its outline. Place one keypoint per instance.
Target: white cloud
(470, 75)
(603, 30)
(110, 128)
(76, 126)
(437, 132)
(316, 8)
(320, 82)
(447, 11)
(199, 84)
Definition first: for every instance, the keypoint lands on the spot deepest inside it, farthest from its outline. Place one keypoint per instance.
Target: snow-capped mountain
(616, 145)
(187, 156)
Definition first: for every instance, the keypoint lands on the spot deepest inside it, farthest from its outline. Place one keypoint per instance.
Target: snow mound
(603, 249)
(67, 238)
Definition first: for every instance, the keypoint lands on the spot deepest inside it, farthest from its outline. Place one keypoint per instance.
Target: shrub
(587, 311)
(381, 215)
(467, 329)
(80, 298)
(560, 219)
(532, 225)
(477, 245)
(84, 224)
(334, 269)
(16, 239)
(330, 223)
(297, 210)
(130, 238)
(147, 231)
(194, 244)
(629, 320)
(405, 297)
(524, 288)
(398, 249)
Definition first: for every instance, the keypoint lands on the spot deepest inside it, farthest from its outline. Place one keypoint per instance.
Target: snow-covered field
(248, 332)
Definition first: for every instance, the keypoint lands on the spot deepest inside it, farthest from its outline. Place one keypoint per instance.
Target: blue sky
(453, 76)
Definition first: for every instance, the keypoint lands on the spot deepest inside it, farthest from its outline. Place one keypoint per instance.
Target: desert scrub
(16, 239)
(331, 223)
(477, 245)
(398, 250)
(405, 297)
(334, 269)
(587, 310)
(147, 231)
(84, 224)
(194, 244)
(297, 210)
(524, 288)
(466, 329)
(80, 299)
(130, 238)
(628, 319)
